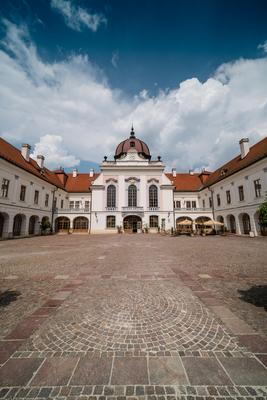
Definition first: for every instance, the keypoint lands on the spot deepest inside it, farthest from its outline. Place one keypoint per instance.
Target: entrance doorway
(132, 224)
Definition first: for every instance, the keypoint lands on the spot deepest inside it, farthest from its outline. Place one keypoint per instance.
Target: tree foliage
(263, 213)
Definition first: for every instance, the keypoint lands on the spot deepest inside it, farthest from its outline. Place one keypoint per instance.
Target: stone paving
(132, 316)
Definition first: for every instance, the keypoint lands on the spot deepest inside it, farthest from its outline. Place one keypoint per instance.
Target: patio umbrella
(185, 222)
(212, 223)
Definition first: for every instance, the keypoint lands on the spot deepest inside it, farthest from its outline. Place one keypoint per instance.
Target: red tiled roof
(13, 155)
(80, 184)
(256, 153)
(185, 182)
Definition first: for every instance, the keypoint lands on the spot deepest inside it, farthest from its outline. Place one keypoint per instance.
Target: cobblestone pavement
(132, 316)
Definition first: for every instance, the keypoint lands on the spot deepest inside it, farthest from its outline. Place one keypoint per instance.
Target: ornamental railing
(196, 209)
(72, 210)
(130, 208)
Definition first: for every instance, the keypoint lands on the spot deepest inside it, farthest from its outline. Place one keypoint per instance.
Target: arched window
(153, 196)
(132, 196)
(111, 196)
(111, 221)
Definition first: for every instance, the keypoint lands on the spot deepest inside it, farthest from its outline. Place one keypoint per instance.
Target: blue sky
(170, 67)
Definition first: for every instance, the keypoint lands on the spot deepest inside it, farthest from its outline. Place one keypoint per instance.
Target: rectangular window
(55, 202)
(111, 221)
(188, 204)
(210, 202)
(178, 204)
(257, 187)
(36, 196)
(46, 200)
(203, 203)
(22, 193)
(241, 193)
(194, 204)
(218, 200)
(228, 197)
(4, 188)
(86, 205)
(153, 221)
(62, 203)
(71, 205)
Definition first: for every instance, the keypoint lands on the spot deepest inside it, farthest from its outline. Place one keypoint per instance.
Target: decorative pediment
(112, 180)
(153, 180)
(132, 179)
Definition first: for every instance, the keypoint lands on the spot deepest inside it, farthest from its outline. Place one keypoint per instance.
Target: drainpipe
(53, 209)
(174, 225)
(212, 204)
(90, 224)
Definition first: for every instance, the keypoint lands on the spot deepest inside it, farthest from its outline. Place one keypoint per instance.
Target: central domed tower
(132, 143)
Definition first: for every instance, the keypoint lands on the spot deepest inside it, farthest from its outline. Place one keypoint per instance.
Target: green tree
(263, 215)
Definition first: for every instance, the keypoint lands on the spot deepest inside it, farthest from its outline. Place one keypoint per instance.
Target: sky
(190, 75)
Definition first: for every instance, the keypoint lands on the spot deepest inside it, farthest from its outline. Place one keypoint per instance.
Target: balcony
(195, 209)
(72, 210)
(111, 208)
(132, 209)
(153, 208)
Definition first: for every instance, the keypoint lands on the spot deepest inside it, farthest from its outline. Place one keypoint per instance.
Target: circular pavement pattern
(133, 316)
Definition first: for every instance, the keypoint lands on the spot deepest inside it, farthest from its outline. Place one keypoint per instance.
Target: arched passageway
(245, 224)
(33, 225)
(62, 224)
(200, 225)
(184, 225)
(80, 224)
(4, 219)
(132, 223)
(19, 221)
(231, 223)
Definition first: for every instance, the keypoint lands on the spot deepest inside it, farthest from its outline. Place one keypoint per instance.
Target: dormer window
(132, 144)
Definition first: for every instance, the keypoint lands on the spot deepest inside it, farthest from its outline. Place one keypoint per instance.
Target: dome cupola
(132, 143)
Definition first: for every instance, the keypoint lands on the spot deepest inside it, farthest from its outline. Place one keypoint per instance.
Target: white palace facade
(131, 193)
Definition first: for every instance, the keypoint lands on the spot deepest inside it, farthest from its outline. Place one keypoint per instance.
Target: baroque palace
(132, 193)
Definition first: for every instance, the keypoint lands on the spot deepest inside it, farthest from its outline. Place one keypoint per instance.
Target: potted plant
(146, 228)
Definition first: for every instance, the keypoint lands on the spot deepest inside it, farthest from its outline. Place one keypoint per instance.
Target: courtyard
(125, 316)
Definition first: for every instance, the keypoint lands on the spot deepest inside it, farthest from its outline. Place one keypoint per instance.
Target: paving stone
(17, 372)
(237, 326)
(205, 371)
(52, 303)
(92, 371)
(167, 371)
(245, 371)
(127, 371)
(55, 372)
(61, 295)
(26, 328)
(254, 343)
(262, 358)
(7, 348)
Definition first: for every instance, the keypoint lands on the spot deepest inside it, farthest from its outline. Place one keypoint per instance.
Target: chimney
(25, 151)
(244, 147)
(174, 172)
(74, 172)
(40, 161)
(91, 173)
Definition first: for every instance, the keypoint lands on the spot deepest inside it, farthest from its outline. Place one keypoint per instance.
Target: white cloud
(77, 18)
(263, 46)
(52, 147)
(193, 125)
(115, 59)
